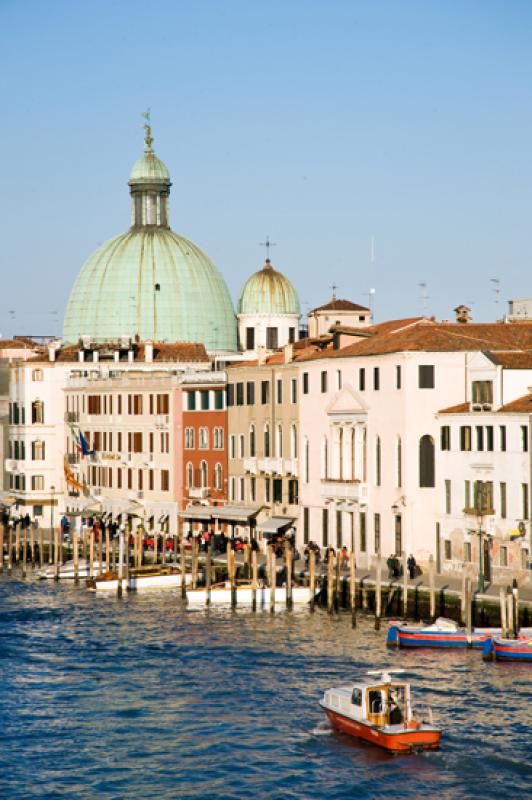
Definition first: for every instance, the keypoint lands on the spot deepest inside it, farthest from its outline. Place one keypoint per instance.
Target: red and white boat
(380, 712)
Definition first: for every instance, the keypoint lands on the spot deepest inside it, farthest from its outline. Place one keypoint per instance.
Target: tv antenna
(424, 296)
(497, 290)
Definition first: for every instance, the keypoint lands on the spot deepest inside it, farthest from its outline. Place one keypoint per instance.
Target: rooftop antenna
(267, 244)
(334, 287)
(424, 296)
(497, 290)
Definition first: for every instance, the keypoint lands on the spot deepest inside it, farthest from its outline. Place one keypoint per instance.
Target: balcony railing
(250, 465)
(290, 466)
(198, 492)
(347, 491)
(271, 466)
(71, 416)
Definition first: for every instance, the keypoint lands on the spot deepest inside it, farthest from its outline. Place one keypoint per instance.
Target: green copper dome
(150, 281)
(268, 292)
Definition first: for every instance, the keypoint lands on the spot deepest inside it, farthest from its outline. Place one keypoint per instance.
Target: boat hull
(244, 597)
(405, 740)
(409, 636)
(138, 583)
(508, 649)
(67, 571)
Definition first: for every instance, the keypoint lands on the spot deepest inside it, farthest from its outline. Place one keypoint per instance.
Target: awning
(222, 513)
(275, 524)
(7, 499)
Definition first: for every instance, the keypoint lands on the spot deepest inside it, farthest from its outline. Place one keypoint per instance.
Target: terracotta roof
(512, 359)
(521, 405)
(424, 335)
(337, 304)
(18, 344)
(162, 352)
(458, 409)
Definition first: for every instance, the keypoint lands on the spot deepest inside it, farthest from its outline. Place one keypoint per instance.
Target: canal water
(140, 699)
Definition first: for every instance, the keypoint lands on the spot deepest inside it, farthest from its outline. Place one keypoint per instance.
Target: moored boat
(442, 633)
(220, 595)
(380, 712)
(140, 579)
(501, 649)
(67, 571)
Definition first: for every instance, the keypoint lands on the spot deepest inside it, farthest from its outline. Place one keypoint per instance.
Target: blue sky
(321, 124)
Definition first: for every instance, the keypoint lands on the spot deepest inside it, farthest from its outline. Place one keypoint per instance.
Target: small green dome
(154, 283)
(268, 292)
(149, 168)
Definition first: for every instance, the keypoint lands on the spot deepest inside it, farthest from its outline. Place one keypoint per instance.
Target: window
(165, 480)
(362, 379)
(305, 383)
(252, 445)
(204, 400)
(445, 437)
(241, 445)
(338, 379)
(94, 404)
(447, 550)
(399, 457)
(267, 490)
(524, 438)
(502, 437)
(482, 392)
(265, 392)
(37, 412)
(503, 556)
(426, 376)
(293, 390)
(279, 442)
(483, 497)
(502, 499)
(426, 462)
(37, 483)
(306, 526)
(267, 441)
(204, 475)
(37, 375)
(219, 399)
(377, 532)
(376, 378)
(190, 475)
(465, 437)
(240, 394)
(250, 338)
(203, 438)
(232, 446)
(489, 437)
(325, 527)
(119, 478)
(293, 492)
(250, 393)
(467, 551)
(324, 458)
(291, 335)
(151, 481)
(271, 338)
(323, 382)
(165, 442)
(134, 404)
(37, 511)
(37, 451)
(253, 488)
(398, 377)
(218, 438)
(524, 500)
(480, 437)
(119, 403)
(191, 400)
(139, 480)
(163, 404)
(293, 442)
(467, 494)
(218, 478)
(230, 391)
(232, 485)
(356, 697)
(129, 479)
(307, 460)
(277, 490)
(447, 496)
(378, 464)
(363, 543)
(279, 390)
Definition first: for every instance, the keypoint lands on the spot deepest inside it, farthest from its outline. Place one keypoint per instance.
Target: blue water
(141, 699)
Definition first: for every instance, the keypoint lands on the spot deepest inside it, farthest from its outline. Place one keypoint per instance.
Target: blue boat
(500, 649)
(442, 633)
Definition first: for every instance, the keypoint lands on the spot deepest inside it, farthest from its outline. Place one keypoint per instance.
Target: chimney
(95, 356)
(261, 356)
(463, 314)
(148, 352)
(130, 356)
(288, 353)
(117, 356)
(81, 355)
(51, 352)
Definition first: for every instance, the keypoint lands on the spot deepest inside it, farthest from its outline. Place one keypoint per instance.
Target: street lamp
(52, 501)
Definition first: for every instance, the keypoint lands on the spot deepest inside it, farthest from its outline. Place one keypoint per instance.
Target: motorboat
(380, 711)
(140, 579)
(67, 571)
(502, 649)
(221, 595)
(442, 633)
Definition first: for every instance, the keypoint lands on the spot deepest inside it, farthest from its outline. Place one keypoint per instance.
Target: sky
(318, 124)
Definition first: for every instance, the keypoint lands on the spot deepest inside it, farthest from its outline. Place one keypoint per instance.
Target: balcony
(71, 416)
(198, 492)
(250, 465)
(344, 491)
(10, 465)
(73, 458)
(290, 466)
(271, 466)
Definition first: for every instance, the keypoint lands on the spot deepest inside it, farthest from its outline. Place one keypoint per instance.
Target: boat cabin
(379, 704)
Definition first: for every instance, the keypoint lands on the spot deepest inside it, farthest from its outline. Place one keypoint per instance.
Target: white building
(337, 313)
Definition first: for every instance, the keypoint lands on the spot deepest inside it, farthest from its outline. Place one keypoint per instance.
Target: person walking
(411, 564)
(390, 563)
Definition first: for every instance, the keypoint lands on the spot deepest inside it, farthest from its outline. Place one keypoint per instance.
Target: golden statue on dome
(148, 138)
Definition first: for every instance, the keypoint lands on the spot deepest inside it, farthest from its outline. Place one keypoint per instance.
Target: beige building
(337, 313)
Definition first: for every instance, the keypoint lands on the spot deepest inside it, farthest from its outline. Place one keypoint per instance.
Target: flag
(70, 478)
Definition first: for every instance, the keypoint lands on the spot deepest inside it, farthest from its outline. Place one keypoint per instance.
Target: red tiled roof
(458, 409)
(521, 405)
(18, 344)
(162, 352)
(337, 304)
(512, 359)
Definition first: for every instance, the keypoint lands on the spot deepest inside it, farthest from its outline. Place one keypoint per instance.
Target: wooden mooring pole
(17, 543)
(24, 551)
(254, 579)
(510, 612)
(515, 596)
(194, 562)
(272, 570)
(183, 569)
(502, 603)
(432, 589)
(10, 550)
(32, 546)
(468, 609)
(378, 593)
(75, 555)
(353, 590)
(404, 563)
(312, 577)
(41, 548)
(330, 582)
(208, 574)
(288, 563)
(91, 551)
(2, 529)
(231, 568)
(463, 597)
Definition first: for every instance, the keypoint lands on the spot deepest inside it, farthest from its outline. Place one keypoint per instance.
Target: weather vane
(334, 287)
(148, 138)
(267, 244)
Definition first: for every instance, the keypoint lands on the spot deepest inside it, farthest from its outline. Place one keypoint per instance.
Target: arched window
(266, 441)
(37, 412)
(378, 461)
(241, 445)
(426, 462)
(190, 476)
(189, 438)
(293, 441)
(279, 443)
(37, 451)
(324, 458)
(218, 477)
(399, 463)
(341, 454)
(218, 438)
(204, 479)
(252, 451)
(203, 438)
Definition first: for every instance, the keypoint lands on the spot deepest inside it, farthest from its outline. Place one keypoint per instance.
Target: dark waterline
(141, 699)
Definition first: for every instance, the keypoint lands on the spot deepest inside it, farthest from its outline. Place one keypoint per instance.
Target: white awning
(275, 524)
(222, 513)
